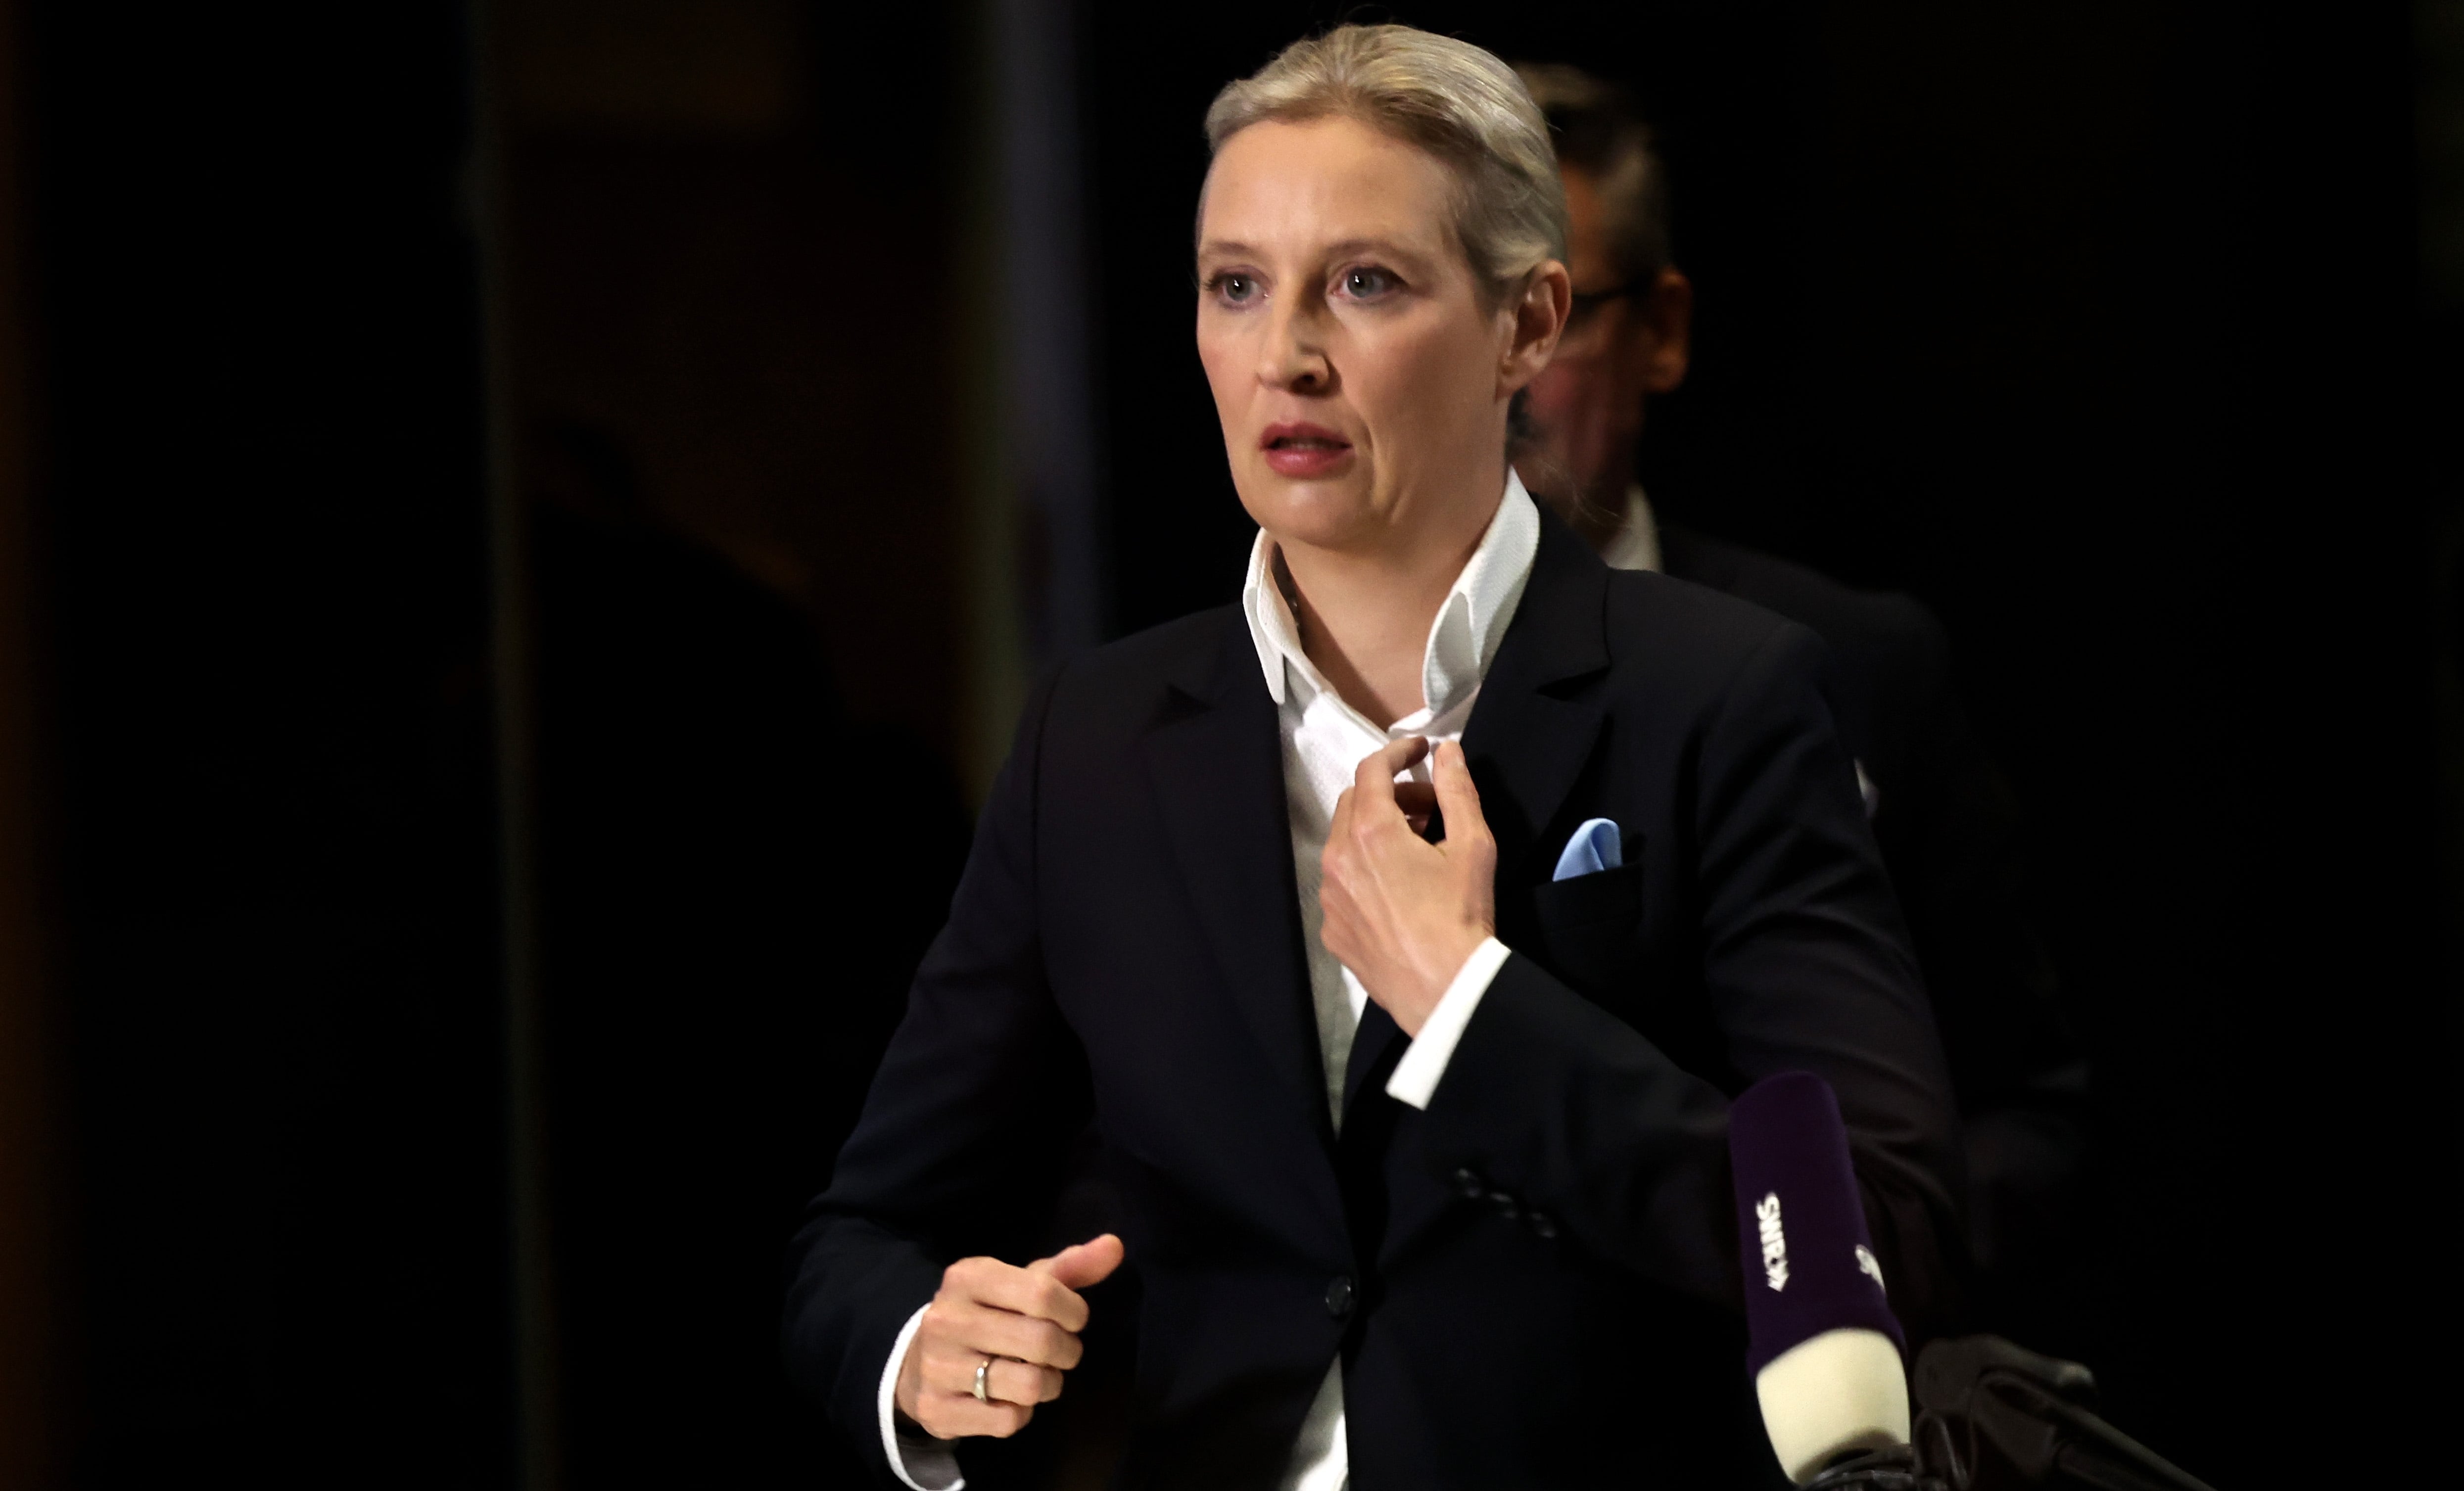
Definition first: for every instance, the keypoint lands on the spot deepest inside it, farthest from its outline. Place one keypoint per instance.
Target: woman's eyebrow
(1397, 247)
(1392, 246)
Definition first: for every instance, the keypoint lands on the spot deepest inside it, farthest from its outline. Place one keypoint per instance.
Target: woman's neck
(1365, 616)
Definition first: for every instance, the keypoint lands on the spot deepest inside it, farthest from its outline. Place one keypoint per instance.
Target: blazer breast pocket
(1590, 927)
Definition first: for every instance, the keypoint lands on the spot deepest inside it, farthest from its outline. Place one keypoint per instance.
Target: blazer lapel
(1530, 734)
(1535, 725)
(1216, 764)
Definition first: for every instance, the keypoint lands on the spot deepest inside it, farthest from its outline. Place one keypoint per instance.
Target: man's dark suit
(1531, 1283)
(1950, 836)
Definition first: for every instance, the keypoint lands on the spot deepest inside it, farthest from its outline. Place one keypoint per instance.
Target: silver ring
(981, 1396)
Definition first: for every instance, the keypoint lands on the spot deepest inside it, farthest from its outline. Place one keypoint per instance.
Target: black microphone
(1821, 1341)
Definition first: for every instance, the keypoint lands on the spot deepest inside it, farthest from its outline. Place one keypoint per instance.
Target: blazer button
(1470, 1185)
(1504, 1205)
(1544, 1224)
(1338, 1297)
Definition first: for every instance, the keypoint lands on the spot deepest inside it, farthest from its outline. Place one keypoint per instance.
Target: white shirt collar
(1635, 545)
(1462, 640)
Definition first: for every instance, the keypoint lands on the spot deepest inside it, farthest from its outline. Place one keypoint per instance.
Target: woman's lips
(1304, 451)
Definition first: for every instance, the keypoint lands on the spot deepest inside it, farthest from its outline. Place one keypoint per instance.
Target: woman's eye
(1234, 289)
(1367, 283)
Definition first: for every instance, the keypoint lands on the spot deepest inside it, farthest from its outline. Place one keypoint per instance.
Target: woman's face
(1361, 380)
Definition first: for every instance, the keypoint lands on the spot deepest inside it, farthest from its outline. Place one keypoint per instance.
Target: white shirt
(1324, 741)
(1635, 545)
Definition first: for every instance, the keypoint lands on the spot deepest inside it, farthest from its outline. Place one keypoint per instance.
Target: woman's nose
(1292, 356)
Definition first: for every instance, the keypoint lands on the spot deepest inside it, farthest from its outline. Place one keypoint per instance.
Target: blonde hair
(1449, 98)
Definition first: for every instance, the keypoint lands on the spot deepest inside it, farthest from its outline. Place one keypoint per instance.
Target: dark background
(2124, 335)
(263, 632)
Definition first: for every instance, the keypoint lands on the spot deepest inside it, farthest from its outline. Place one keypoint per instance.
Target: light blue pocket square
(1594, 847)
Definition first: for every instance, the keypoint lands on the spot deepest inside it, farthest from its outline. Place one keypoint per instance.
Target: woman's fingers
(967, 1327)
(1373, 778)
(1032, 1293)
(947, 1356)
(1085, 1264)
(1037, 1343)
(1020, 1382)
(1450, 776)
(1017, 1325)
(952, 1416)
(953, 1371)
(1418, 802)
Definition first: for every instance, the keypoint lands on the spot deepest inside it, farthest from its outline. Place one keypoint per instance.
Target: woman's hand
(1023, 1321)
(1402, 913)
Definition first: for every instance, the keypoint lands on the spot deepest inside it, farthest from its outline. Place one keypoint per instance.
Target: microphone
(1821, 1341)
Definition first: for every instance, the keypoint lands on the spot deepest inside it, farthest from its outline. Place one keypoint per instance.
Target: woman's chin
(1328, 514)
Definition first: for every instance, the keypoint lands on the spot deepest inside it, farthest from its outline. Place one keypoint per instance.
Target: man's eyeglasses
(1589, 300)
(1585, 303)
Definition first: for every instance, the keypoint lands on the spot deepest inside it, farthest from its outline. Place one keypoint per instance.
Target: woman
(1420, 1144)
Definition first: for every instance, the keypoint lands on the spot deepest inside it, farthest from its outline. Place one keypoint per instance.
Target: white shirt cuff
(923, 1464)
(1424, 1061)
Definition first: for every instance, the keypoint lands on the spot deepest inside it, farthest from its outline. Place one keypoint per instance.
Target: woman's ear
(1540, 313)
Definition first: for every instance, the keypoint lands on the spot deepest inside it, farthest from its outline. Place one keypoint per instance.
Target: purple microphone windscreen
(1810, 1264)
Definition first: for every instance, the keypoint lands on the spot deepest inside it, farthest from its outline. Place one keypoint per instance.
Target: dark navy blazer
(1534, 1281)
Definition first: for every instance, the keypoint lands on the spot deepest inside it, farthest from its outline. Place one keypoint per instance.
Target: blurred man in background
(1945, 821)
